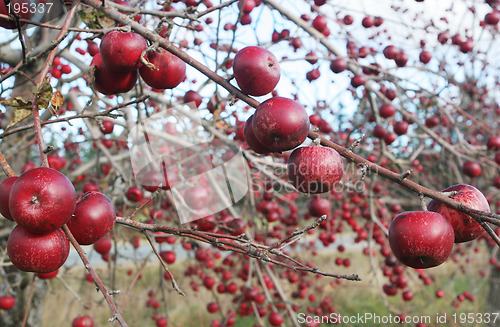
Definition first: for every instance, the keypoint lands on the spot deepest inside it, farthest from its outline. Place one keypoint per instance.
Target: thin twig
(98, 282)
(164, 264)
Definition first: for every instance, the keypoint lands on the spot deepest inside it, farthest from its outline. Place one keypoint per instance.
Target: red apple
(39, 253)
(103, 245)
(472, 169)
(152, 179)
(493, 142)
(401, 127)
(251, 139)
(425, 57)
(93, 218)
(421, 239)
(193, 97)
(5, 188)
(358, 80)
(196, 197)
(212, 307)
(109, 81)
(318, 207)
(315, 169)
(170, 73)
(275, 319)
(368, 21)
(49, 275)
(83, 321)
(168, 256)
(89, 186)
(338, 65)
(466, 228)
(42, 200)
(237, 226)
(256, 70)
(320, 23)
(432, 121)
(134, 194)
(387, 110)
(161, 322)
(107, 127)
(492, 18)
(391, 52)
(407, 295)
(122, 50)
(7, 302)
(280, 124)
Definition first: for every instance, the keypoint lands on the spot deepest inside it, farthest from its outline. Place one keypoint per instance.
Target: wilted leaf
(56, 101)
(43, 93)
(105, 21)
(88, 16)
(17, 102)
(19, 115)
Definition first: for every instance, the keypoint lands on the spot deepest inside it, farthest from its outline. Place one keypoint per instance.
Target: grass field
(71, 295)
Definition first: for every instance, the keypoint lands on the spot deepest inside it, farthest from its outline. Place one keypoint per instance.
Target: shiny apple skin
(122, 50)
(318, 207)
(5, 188)
(421, 239)
(256, 70)
(94, 217)
(39, 253)
(281, 124)
(466, 228)
(42, 200)
(251, 139)
(108, 81)
(171, 70)
(315, 169)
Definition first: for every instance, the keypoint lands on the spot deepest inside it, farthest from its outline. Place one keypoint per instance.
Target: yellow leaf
(19, 115)
(57, 99)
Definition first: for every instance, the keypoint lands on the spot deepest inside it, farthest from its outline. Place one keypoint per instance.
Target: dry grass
(348, 298)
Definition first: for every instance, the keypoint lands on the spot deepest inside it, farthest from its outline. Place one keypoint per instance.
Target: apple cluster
(282, 124)
(41, 201)
(424, 239)
(122, 57)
